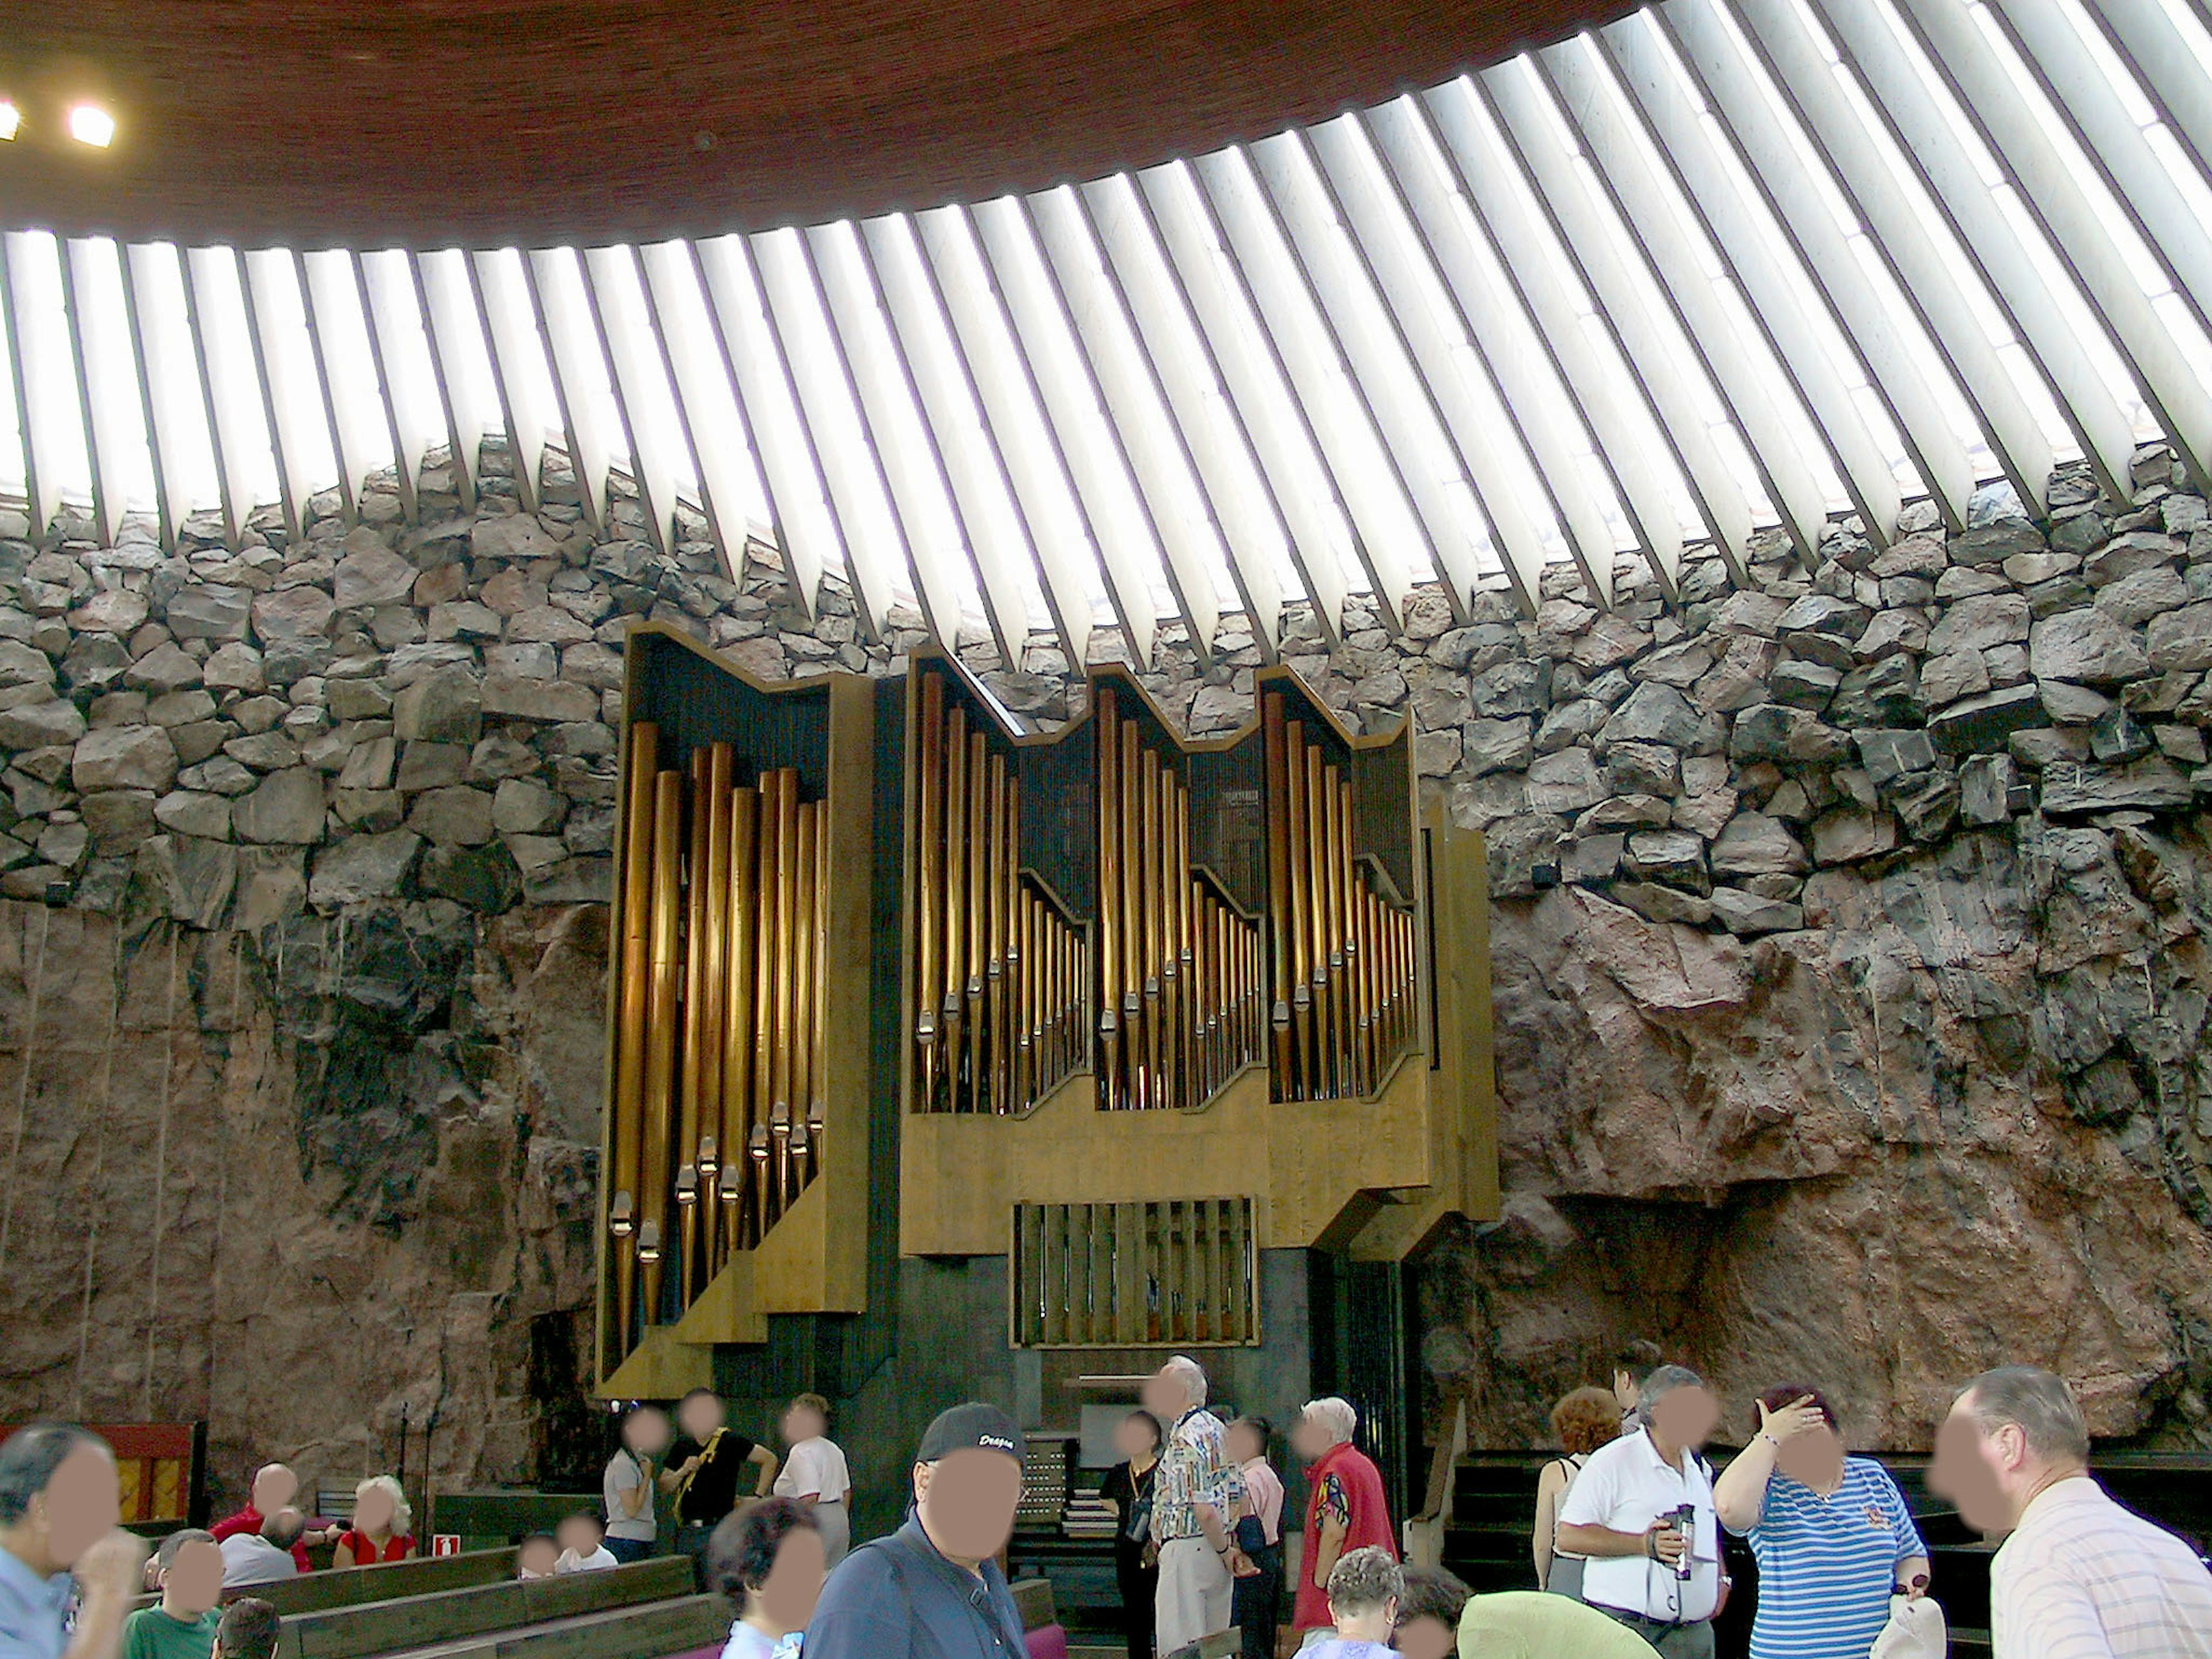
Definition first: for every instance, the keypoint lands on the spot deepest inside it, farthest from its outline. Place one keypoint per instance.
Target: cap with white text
(972, 1427)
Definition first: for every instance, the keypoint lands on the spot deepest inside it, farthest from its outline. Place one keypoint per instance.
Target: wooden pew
(481, 1611)
(346, 1587)
(657, 1628)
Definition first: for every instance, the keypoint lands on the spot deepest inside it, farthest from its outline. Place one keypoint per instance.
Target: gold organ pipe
(764, 1004)
(1339, 984)
(1274, 740)
(740, 1035)
(695, 1010)
(706, 1149)
(1133, 908)
(663, 1022)
(1316, 905)
(786, 930)
(978, 878)
(956, 906)
(1301, 940)
(803, 1012)
(1109, 744)
(818, 1097)
(1148, 837)
(930, 841)
(633, 1008)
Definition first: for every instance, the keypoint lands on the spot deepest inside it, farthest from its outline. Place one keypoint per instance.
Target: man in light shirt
(262, 1556)
(1193, 1495)
(2080, 1578)
(1642, 1512)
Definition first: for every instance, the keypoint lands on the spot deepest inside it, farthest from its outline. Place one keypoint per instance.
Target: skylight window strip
(1924, 140)
(55, 442)
(521, 367)
(1051, 518)
(292, 400)
(1391, 540)
(1765, 266)
(2149, 36)
(875, 536)
(732, 493)
(1621, 177)
(1506, 417)
(2080, 92)
(1603, 387)
(555, 280)
(2058, 198)
(468, 385)
(1502, 126)
(1148, 445)
(660, 464)
(1298, 474)
(961, 442)
(1471, 529)
(356, 404)
(168, 381)
(1091, 463)
(947, 583)
(15, 462)
(244, 452)
(1882, 338)
(123, 470)
(1216, 446)
(1918, 249)
(810, 535)
(400, 344)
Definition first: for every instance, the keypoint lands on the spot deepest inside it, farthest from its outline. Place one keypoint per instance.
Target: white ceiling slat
(879, 379)
(399, 344)
(707, 400)
(1149, 445)
(460, 361)
(1665, 365)
(111, 423)
(16, 467)
(615, 300)
(961, 448)
(1925, 142)
(1925, 270)
(1490, 424)
(1320, 531)
(553, 279)
(1756, 395)
(810, 535)
(1768, 271)
(974, 325)
(1579, 397)
(521, 366)
(1214, 442)
(237, 422)
(1885, 343)
(56, 443)
(1091, 471)
(356, 402)
(2129, 173)
(875, 539)
(1470, 530)
(177, 440)
(1334, 409)
(284, 359)
(2143, 33)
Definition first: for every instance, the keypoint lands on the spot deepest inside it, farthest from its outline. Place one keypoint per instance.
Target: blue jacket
(898, 1598)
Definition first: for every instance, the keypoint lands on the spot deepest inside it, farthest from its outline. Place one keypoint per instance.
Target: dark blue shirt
(898, 1598)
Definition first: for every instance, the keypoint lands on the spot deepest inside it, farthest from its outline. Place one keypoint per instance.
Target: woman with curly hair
(1584, 1421)
(768, 1559)
(381, 1523)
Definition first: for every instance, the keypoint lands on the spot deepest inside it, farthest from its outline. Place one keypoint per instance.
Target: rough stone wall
(1846, 952)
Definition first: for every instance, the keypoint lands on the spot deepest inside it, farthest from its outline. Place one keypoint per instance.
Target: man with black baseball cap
(933, 1589)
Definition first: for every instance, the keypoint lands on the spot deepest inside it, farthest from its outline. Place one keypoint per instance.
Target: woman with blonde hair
(1584, 1421)
(380, 1529)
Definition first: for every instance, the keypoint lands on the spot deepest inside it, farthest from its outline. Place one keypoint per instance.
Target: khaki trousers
(1193, 1600)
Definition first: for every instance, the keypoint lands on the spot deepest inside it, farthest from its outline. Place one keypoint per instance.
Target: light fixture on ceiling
(11, 120)
(88, 124)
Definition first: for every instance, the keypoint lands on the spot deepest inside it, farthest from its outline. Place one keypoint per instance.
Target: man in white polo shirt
(1652, 1566)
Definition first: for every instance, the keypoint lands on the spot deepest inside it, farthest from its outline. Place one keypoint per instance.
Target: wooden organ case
(1167, 1004)
(734, 1163)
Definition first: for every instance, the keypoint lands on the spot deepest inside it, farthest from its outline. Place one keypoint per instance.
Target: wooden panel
(1084, 1273)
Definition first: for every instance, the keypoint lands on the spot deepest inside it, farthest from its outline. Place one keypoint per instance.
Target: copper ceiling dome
(434, 121)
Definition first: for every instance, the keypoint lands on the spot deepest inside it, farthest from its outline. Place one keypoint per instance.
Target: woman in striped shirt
(1831, 1533)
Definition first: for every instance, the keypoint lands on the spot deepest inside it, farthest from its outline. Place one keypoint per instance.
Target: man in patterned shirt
(1196, 1487)
(2080, 1578)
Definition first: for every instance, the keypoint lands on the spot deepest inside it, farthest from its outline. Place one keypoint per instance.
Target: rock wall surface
(1848, 955)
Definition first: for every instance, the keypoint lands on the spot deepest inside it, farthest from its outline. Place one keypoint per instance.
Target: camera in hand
(1684, 1520)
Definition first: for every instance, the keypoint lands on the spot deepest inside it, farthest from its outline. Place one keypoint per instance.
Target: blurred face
(274, 1488)
(785, 1600)
(700, 1417)
(1134, 1438)
(373, 1510)
(581, 1534)
(81, 1504)
(644, 1432)
(1686, 1417)
(1243, 1443)
(1982, 1473)
(193, 1579)
(537, 1557)
(967, 1500)
(802, 1423)
(1310, 1440)
(1812, 1457)
(1164, 1397)
(1425, 1637)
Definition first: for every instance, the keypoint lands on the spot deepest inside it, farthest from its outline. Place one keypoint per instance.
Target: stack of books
(1088, 1516)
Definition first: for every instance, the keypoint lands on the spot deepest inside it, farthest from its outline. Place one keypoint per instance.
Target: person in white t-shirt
(1641, 1511)
(583, 1544)
(814, 1472)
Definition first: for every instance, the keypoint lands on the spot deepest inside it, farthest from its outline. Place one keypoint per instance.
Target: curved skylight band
(1719, 266)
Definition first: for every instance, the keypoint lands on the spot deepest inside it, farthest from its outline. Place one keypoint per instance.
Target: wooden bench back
(649, 1631)
(485, 1610)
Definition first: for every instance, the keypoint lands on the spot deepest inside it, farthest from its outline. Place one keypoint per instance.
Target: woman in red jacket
(380, 1529)
(1345, 1506)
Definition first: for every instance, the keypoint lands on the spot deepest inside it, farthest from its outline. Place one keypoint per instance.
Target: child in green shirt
(188, 1571)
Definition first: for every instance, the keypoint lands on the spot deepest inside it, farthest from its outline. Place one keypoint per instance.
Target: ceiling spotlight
(11, 120)
(88, 124)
